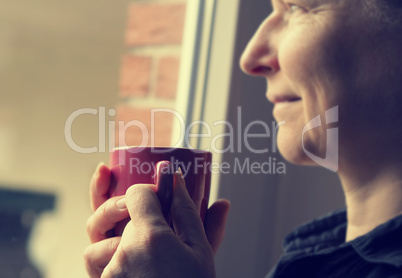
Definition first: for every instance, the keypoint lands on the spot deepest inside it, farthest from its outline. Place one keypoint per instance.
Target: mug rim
(123, 148)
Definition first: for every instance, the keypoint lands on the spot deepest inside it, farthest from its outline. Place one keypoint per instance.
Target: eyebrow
(312, 2)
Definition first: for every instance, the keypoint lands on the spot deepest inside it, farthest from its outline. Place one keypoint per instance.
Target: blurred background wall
(150, 70)
(56, 57)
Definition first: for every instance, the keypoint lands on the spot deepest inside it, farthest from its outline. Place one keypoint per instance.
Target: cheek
(314, 66)
(299, 67)
(294, 57)
(311, 69)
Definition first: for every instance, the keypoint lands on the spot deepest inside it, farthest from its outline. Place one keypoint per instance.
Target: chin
(290, 147)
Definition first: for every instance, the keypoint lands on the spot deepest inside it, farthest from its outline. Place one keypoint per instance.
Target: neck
(373, 196)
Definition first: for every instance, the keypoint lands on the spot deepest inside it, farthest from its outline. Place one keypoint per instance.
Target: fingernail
(180, 173)
(180, 178)
(99, 166)
(121, 203)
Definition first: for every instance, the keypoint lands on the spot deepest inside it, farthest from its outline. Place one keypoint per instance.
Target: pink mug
(134, 165)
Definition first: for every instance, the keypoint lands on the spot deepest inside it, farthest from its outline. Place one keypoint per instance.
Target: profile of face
(319, 54)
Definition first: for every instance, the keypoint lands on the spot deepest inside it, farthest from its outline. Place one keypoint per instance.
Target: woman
(316, 56)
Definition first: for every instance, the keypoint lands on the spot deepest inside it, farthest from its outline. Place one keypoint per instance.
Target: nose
(260, 56)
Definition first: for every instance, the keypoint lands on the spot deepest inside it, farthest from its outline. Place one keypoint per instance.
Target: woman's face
(315, 55)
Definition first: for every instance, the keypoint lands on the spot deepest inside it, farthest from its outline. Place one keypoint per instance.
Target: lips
(286, 106)
(283, 98)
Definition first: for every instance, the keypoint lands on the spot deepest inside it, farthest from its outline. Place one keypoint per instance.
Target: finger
(99, 187)
(106, 218)
(144, 207)
(98, 255)
(215, 222)
(185, 216)
(164, 187)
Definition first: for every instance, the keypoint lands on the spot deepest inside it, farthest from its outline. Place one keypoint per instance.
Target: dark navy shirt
(318, 249)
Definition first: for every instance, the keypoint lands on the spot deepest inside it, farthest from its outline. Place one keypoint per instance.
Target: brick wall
(149, 72)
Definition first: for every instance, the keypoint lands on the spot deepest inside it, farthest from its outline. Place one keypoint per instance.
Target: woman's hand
(98, 255)
(150, 248)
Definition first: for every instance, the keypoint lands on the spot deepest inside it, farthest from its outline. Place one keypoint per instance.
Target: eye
(294, 8)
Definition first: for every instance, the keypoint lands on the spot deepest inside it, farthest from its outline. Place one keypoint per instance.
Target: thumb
(164, 186)
(185, 216)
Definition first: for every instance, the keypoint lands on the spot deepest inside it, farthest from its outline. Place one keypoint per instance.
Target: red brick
(135, 76)
(162, 130)
(155, 24)
(168, 73)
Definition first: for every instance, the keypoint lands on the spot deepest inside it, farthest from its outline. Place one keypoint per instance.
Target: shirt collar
(322, 233)
(381, 245)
